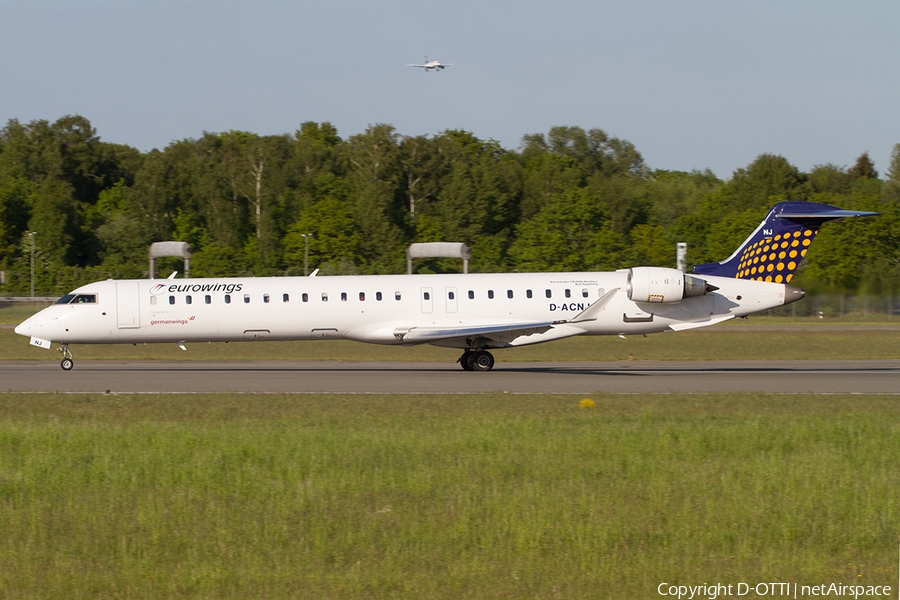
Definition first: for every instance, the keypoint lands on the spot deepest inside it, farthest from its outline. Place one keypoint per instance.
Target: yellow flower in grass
(587, 403)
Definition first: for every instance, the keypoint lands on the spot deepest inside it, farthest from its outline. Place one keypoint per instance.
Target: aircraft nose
(792, 293)
(24, 328)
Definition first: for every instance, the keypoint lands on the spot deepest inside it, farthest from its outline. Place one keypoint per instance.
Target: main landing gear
(476, 360)
(66, 363)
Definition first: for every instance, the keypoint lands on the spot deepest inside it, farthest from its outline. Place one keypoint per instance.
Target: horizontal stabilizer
(825, 215)
(698, 324)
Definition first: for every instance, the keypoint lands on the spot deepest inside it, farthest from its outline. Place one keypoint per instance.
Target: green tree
(864, 168)
(651, 247)
(216, 260)
(766, 178)
(374, 179)
(335, 243)
(891, 190)
(16, 199)
(569, 234)
(55, 219)
(830, 179)
(847, 250)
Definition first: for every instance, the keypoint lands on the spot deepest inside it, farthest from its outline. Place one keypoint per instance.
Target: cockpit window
(78, 299)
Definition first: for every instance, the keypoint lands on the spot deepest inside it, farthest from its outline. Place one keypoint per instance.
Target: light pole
(305, 237)
(31, 234)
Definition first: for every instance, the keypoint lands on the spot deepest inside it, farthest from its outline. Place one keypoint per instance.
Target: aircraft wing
(499, 333)
(427, 335)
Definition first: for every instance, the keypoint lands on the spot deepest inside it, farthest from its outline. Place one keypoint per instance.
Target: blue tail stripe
(774, 250)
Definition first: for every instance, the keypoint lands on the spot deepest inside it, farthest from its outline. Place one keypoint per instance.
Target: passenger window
(397, 296)
(491, 294)
(266, 298)
(208, 299)
(187, 300)
(426, 295)
(362, 296)
(285, 298)
(548, 293)
(343, 296)
(471, 294)
(304, 297)
(227, 298)
(528, 294)
(246, 298)
(171, 299)
(568, 293)
(584, 293)
(378, 296)
(509, 294)
(451, 295)
(152, 300)
(324, 297)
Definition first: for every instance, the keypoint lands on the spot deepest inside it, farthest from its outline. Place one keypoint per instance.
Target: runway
(105, 376)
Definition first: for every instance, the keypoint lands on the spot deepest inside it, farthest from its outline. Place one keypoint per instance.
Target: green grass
(484, 496)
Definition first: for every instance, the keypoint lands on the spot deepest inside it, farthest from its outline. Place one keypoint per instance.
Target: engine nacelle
(659, 284)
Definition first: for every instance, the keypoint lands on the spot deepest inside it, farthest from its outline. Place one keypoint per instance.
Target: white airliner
(473, 312)
(432, 65)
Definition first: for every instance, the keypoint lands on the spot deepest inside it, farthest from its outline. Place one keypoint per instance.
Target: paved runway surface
(865, 376)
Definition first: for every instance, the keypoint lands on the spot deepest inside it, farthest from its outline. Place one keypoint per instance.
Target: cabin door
(128, 305)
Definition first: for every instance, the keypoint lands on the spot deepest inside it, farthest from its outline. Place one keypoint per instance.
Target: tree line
(570, 199)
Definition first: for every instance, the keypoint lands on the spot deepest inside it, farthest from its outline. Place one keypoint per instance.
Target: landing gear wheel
(465, 361)
(482, 361)
(66, 363)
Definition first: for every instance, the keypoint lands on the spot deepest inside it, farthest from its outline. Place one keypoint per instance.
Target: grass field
(484, 496)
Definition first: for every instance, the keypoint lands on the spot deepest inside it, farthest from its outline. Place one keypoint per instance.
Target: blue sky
(692, 84)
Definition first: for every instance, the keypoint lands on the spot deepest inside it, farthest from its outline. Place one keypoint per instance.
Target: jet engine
(659, 284)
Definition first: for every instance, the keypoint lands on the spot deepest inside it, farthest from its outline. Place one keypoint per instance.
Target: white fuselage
(377, 309)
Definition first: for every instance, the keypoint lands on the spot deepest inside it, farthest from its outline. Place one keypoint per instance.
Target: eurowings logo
(162, 288)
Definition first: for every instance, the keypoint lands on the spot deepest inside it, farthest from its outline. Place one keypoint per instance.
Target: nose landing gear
(476, 360)
(66, 363)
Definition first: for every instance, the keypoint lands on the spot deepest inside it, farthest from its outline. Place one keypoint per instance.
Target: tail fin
(774, 250)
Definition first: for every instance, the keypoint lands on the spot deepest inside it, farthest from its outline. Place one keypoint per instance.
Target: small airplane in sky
(472, 312)
(431, 64)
